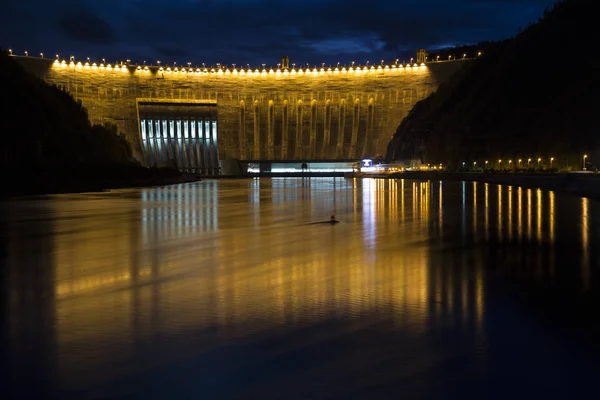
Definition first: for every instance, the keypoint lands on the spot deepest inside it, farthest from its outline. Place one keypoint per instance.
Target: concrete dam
(200, 117)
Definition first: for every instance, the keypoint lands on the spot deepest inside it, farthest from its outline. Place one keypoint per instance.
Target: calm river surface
(224, 289)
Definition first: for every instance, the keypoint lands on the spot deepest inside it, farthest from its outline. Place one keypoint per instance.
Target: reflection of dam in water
(138, 279)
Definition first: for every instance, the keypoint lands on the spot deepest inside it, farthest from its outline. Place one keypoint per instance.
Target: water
(224, 289)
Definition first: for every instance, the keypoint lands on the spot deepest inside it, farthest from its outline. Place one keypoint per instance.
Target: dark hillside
(531, 96)
(49, 144)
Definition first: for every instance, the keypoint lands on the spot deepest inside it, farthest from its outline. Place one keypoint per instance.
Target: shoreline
(101, 186)
(577, 184)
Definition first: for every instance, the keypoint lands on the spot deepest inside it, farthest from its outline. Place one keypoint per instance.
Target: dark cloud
(84, 26)
(261, 31)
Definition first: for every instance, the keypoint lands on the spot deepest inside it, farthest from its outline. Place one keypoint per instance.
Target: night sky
(256, 31)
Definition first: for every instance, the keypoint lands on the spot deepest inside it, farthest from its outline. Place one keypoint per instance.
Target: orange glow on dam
(342, 112)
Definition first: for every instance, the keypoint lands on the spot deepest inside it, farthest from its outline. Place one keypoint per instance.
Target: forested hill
(535, 95)
(45, 126)
(49, 145)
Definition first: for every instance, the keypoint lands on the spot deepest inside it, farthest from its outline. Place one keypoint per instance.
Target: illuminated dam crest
(199, 117)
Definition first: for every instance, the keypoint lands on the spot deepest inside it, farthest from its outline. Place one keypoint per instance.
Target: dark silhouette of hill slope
(534, 95)
(49, 145)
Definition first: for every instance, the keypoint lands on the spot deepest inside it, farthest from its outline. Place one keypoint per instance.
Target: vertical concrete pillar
(215, 147)
(299, 116)
(191, 145)
(172, 138)
(326, 131)
(313, 130)
(341, 130)
(243, 153)
(368, 146)
(206, 151)
(270, 130)
(284, 131)
(201, 137)
(354, 150)
(256, 149)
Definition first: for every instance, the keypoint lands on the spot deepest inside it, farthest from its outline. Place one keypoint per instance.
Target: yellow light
(109, 66)
(71, 64)
(344, 69)
(486, 161)
(242, 72)
(500, 161)
(168, 69)
(539, 159)
(551, 158)
(529, 159)
(227, 71)
(56, 62)
(220, 72)
(585, 156)
(510, 161)
(520, 160)
(175, 69)
(271, 72)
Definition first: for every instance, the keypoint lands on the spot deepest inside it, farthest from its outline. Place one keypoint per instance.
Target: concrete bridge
(201, 117)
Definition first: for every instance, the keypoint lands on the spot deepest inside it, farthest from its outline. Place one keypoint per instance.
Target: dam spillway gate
(184, 134)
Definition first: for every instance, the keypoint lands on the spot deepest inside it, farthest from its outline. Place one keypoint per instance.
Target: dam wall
(248, 114)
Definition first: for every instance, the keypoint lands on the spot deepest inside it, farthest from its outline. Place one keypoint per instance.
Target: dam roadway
(200, 116)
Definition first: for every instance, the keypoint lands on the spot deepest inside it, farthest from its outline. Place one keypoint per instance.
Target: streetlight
(42, 55)
(500, 163)
(539, 159)
(528, 161)
(10, 52)
(584, 157)
(509, 163)
(551, 159)
(486, 163)
(520, 162)
(26, 53)
(463, 164)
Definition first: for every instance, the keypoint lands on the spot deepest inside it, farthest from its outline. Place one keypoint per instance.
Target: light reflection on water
(119, 287)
